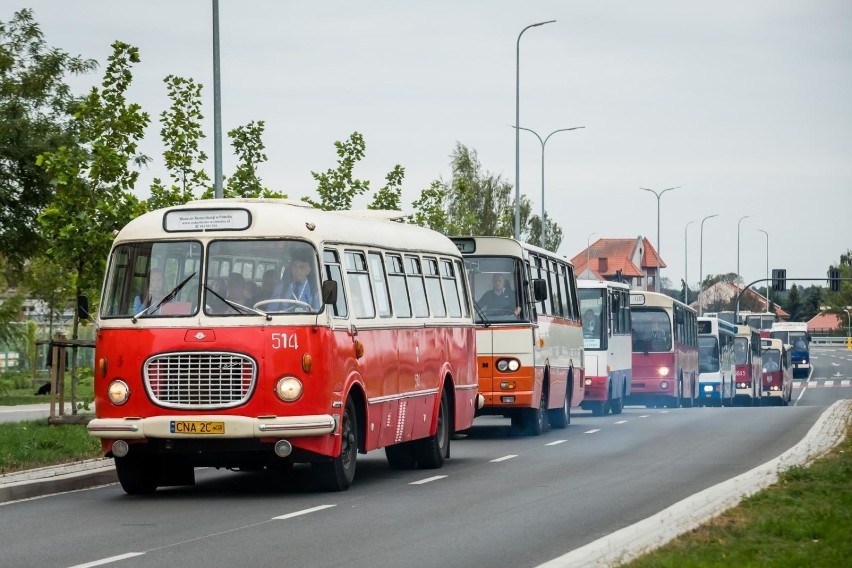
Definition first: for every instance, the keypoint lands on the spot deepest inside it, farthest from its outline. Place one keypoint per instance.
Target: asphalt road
(501, 500)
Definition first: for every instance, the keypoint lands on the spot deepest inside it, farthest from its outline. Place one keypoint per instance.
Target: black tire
(401, 456)
(616, 405)
(338, 474)
(431, 452)
(138, 475)
(560, 418)
(537, 418)
(599, 409)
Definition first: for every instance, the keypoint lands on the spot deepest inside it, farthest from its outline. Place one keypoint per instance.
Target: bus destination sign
(185, 220)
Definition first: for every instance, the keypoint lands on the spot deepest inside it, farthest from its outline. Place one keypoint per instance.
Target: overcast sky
(747, 106)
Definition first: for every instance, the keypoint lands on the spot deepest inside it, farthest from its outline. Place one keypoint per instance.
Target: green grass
(27, 445)
(16, 396)
(803, 520)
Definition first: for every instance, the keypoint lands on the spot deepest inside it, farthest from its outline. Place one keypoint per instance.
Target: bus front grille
(202, 380)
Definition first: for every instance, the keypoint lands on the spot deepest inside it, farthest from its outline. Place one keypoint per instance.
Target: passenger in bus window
(237, 291)
(154, 291)
(268, 284)
(500, 299)
(590, 324)
(299, 290)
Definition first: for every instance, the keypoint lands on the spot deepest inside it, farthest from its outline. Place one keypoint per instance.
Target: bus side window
(333, 272)
(433, 288)
(398, 287)
(380, 285)
(451, 293)
(414, 277)
(462, 287)
(359, 285)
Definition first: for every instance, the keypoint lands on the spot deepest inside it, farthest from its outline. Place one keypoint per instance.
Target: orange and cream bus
(529, 339)
(282, 334)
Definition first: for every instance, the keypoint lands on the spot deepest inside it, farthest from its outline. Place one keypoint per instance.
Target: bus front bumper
(212, 426)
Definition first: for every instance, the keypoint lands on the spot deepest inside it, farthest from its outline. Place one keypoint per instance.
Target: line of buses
(283, 335)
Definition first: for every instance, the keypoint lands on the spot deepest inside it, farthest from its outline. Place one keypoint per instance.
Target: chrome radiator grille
(202, 380)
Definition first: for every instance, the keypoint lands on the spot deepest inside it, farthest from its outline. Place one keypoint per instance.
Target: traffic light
(833, 278)
(779, 279)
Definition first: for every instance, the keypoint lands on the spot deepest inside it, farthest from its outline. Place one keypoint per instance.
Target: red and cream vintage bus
(777, 372)
(529, 339)
(255, 334)
(665, 351)
(605, 309)
(747, 358)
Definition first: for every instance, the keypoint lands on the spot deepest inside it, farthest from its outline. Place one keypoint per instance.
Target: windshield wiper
(485, 321)
(167, 298)
(238, 307)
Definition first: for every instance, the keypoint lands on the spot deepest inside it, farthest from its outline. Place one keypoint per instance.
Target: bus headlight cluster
(663, 371)
(708, 388)
(288, 389)
(508, 365)
(742, 385)
(664, 385)
(118, 392)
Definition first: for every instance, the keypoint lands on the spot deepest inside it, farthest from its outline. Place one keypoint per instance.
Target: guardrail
(838, 341)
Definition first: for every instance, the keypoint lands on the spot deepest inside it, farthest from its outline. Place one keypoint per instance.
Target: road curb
(68, 477)
(640, 538)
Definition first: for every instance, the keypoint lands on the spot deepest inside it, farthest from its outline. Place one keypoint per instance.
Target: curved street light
(738, 242)
(543, 142)
(767, 268)
(701, 265)
(685, 272)
(518, 125)
(657, 280)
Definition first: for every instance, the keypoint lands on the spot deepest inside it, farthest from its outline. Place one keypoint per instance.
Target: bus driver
(500, 298)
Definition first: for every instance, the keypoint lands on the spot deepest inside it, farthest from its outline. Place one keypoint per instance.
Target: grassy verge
(27, 445)
(803, 520)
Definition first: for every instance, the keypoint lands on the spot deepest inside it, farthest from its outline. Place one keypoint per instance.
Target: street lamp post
(659, 195)
(767, 268)
(685, 271)
(738, 242)
(588, 251)
(518, 125)
(848, 310)
(217, 108)
(543, 142)
(701, 265)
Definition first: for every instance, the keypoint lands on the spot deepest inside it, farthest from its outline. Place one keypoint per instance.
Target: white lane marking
(108, 560)
(800, 396)
(622, 422)
(592, 431)
(828, 384)
(428, 479)
(664, 412)
(844, 383)
(556, 443)
(645, 416)
(812, 383)
(504, 458)
(303, 512)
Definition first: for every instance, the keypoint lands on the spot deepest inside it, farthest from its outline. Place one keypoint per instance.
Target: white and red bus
(665, 351)
(795, 334)
(777, 371)
(605, 310)
(716, 368)
(284, 334)
(747, 359)
(528, 339)
(758, 320)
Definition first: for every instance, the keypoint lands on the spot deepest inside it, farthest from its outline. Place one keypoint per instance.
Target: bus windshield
(798, 339)
(591, 308)
(494, 286)
(708, 354)
(740, 351)
(771, 360)
(651, 330)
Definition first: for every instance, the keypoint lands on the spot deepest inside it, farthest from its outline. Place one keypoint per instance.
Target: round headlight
(502, 365)
(708, 388)
(588, 382)
(663, 371)
(664, 385)
(288, 389)
(118, 392)
(514, 364)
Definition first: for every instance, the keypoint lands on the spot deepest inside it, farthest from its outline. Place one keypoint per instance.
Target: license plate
(197, 427)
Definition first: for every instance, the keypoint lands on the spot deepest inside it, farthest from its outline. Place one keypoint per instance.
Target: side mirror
(539, 289)
(82, 307)
(329, 292)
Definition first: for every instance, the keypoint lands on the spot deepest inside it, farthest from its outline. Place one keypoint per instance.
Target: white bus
(795, 334)
(716, 367)
(605, 312)
(255, 334)
(529, 342)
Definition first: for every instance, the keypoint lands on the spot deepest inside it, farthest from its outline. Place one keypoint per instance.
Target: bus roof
(487, 245)
(655, 300)
(721, 325)
(274, 218)
(789, 326)
(602, 284)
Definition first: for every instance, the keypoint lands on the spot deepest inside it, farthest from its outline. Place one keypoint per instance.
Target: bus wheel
(432, 451)
(599, 409)
(537, 417)
(616, 405)
(561, 417)
(401, 456)
(338, 474)
(137, 475)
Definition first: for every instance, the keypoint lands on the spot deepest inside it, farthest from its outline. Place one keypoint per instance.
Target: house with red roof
(721, 294)
(634, 261)
(826, 324)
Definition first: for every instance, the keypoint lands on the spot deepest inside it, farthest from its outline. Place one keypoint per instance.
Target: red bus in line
(747, 358)
(256, 334)
(665, 351)
(777, 383)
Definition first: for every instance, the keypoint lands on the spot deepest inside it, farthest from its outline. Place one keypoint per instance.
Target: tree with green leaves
(94, 177)
(181, 133)
(338, 187)
(389, 197)
(34, 100)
